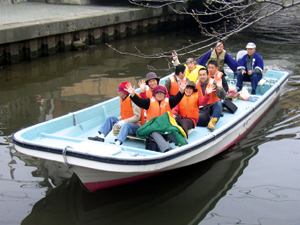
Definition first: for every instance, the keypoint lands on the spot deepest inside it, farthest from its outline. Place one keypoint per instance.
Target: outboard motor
(240, 55)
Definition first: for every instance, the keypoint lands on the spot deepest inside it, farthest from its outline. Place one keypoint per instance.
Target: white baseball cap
(251, 45)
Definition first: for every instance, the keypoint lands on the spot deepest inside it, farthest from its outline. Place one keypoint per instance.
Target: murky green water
(253, 182)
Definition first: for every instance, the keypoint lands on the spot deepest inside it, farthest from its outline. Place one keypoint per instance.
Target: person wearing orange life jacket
(132, 117)
(210, 114)
(173, 82)
(213, 72)
(157, 105)
(186, 112)
(152, 81)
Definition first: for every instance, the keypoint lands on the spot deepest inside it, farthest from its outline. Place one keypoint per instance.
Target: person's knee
(112, 118)
(203, 120)
(218, 105)
(125, 126)
(239, 74)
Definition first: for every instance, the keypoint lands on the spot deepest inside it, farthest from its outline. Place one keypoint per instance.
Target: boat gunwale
(154, 159)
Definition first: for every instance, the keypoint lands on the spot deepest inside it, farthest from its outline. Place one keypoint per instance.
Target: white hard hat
(251, 45)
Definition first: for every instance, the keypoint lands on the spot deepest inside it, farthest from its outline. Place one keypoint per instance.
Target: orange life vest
(174, 88)
(155, 109)
(149, 93)
(126, 109)
(213, 97)
(218, 75)
(188, 106)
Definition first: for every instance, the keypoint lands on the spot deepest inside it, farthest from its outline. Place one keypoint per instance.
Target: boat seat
(134, 137)
(260, 83)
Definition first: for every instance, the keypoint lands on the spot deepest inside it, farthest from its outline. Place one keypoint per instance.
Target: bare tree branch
(234, 15)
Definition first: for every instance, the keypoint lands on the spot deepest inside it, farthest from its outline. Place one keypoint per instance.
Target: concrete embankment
(31, 30)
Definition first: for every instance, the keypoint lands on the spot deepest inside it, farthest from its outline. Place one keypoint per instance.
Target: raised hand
(183, 85)
(174, 54)
(209, 89)
(142, 85)
(219, 83)
(129, 88)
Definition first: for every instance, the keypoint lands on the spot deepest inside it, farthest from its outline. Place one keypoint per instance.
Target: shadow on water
(181, 196)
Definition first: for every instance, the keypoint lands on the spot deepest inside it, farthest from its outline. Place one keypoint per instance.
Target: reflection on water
(178, 197)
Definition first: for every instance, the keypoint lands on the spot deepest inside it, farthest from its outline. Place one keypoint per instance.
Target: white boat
(102, 165)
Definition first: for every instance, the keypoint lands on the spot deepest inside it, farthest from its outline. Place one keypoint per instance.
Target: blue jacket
(233, 65)
(257, 63)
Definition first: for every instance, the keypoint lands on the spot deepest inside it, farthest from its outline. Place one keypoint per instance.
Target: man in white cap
(250, 69)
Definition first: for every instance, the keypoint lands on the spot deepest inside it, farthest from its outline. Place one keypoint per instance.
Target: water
(253, 182)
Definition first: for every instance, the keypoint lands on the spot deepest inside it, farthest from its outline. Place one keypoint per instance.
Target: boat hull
(126, 164)
(95, 179)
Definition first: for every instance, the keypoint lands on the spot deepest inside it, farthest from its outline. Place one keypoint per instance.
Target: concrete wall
(7, 2)
(30, 41)
(70, 2)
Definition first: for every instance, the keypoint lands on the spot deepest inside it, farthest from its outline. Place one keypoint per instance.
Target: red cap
(122, 87)
(159, 88)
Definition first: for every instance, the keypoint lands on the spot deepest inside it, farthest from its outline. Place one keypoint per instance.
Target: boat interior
(74, 128)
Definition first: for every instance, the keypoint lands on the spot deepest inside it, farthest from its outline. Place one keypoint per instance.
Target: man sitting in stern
(250, 69)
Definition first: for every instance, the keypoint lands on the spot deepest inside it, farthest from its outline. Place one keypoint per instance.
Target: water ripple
(214, 218)
(265, 192)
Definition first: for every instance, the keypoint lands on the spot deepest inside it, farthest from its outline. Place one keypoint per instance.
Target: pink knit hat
(159, 88)
(122, 87)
